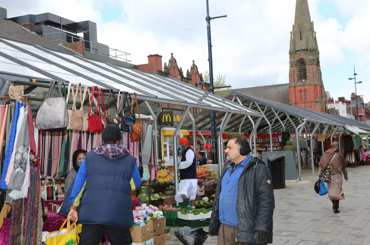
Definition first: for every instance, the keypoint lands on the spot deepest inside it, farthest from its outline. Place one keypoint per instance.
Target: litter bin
(276, 164)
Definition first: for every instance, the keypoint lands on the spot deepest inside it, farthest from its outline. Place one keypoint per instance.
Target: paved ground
(303, 218)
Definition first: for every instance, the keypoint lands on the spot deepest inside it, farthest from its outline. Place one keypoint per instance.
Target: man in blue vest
(188, 185)
(244, 201)
(105, 207)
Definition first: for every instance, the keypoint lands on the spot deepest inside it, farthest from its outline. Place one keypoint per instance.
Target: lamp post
(354, 78)
(211, 87)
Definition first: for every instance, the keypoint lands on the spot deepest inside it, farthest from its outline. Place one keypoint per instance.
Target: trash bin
(276, 164)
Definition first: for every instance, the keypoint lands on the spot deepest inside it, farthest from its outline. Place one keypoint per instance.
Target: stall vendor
(188, 185)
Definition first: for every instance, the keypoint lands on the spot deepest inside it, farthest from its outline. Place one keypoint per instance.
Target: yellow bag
(67, 235)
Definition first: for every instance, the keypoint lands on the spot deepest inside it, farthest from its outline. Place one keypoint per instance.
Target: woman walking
(334, 160)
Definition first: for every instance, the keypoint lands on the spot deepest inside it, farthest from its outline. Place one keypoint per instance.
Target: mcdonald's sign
(165, 118)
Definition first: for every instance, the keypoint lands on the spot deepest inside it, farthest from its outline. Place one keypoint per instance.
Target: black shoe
(336, 211)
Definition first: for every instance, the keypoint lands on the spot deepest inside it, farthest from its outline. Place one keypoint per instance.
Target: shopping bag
(323, 188)
(67, 235)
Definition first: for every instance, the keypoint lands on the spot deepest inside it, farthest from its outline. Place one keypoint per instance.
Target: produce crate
(171, 217)
(141, 234)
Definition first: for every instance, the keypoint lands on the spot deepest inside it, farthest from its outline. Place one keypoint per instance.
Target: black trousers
(92, 234)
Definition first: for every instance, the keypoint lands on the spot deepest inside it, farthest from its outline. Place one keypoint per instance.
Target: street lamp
(355, 82)
(211, 87)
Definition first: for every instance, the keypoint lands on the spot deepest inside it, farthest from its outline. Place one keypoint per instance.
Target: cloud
(250, 46)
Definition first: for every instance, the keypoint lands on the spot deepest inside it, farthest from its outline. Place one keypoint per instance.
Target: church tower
(306, 88)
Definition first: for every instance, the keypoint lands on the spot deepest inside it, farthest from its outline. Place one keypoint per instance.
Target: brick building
(306, 88)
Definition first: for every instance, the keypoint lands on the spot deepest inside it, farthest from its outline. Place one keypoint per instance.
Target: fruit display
(164, 176)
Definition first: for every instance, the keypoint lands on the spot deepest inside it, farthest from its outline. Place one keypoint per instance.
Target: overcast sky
(250, 46)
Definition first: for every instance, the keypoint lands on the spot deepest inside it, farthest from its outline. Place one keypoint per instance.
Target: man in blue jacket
(244, 202)
(105, 207)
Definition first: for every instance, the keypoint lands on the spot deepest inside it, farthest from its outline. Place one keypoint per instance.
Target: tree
(219, 81)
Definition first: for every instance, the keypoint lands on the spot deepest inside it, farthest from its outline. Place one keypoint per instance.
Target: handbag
(325, 173)
(95, 120)
(16, 92)
(128, 119)
(66, 235)
(52, 113)
(116, 117)
(76, 116)
(321, 187)
(137, 128)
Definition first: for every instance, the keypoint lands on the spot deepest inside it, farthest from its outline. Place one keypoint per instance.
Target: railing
(90, 46)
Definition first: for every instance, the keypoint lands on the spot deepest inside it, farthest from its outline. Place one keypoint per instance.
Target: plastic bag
(189, 236)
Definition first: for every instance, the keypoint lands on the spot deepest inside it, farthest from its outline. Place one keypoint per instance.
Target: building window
(301, 70)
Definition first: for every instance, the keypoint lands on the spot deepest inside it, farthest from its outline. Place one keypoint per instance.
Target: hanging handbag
(95, 121)
(321, 187)
(128, 119)
(115, 115)
(137, 128)
(16, 92)
(52, 113)
(76, 116)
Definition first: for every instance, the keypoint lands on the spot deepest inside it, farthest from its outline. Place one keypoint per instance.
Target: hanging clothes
(3, 117)
(10, 145)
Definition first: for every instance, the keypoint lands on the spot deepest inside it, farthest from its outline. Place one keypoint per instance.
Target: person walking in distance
(244, 202)
(334, 160)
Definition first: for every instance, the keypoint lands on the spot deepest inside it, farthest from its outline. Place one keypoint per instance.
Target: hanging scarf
(10, 145)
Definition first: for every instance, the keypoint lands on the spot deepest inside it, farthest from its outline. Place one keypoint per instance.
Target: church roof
(276, 92)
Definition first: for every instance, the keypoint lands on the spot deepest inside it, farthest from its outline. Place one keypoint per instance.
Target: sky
(250, 46)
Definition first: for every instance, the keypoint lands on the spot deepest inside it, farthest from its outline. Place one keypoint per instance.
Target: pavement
(301, 217)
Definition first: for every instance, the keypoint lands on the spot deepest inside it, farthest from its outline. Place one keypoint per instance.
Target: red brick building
(306, 88)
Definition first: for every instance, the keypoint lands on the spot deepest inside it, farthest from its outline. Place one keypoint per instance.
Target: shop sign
(168, 118)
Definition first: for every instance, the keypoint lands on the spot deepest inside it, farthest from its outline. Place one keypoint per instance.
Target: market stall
(103, 93)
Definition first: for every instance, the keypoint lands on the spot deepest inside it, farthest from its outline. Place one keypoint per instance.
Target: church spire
(303, 36)
(306, 88)
(302, 14)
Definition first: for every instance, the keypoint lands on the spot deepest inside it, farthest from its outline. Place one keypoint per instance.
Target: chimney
(155, 62)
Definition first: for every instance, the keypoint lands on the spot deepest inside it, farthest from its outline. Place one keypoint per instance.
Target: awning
(36, 62)
(356, 130)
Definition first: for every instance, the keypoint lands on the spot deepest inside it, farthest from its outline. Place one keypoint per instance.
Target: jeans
(92, 234)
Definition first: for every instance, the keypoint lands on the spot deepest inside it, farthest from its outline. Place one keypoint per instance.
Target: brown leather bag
(16, 92)
(76, 116)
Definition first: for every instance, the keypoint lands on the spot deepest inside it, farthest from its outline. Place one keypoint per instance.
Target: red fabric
(31, 139)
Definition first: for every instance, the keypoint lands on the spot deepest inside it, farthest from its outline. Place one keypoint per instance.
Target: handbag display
(128, 119)
(95, 119)
(52, 113)
(76, 116)
(16, 92)
(137, 128)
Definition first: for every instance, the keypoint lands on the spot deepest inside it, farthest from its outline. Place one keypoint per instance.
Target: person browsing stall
(105, 207)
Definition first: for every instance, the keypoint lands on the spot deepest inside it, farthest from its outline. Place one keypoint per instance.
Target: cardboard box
(140, 234)
(159, 226)
(160, 240)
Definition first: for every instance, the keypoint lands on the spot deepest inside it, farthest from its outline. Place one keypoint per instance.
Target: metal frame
(268, 122)
(317, 126)
(298, 132)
